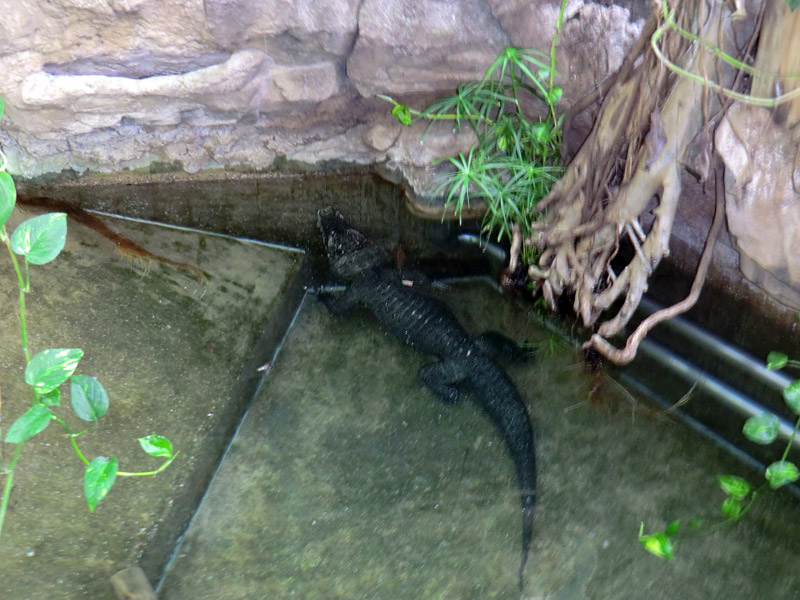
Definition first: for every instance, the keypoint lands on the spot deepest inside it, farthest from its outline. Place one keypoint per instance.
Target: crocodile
(428, 325)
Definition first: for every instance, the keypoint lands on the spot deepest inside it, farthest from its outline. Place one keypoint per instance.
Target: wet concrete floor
(178, 356)
(349, 479)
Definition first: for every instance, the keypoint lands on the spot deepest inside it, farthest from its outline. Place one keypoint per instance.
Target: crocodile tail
(527, 532)
(502, 402)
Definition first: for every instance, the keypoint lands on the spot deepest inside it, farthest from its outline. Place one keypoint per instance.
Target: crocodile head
(349, 251)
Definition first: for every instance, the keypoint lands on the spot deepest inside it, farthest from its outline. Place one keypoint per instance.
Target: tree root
(627, 354)
(627, 168)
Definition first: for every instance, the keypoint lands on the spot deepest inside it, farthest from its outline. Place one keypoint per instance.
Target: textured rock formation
(405, 47)
(107, 85)
(763, 196)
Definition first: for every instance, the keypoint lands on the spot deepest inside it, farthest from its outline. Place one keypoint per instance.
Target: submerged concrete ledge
(178, 355)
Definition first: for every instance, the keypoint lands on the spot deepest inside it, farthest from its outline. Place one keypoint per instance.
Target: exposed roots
(628, 173)
(627, 354)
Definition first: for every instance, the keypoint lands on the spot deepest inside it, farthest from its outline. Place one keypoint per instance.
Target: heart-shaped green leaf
(658, 544)
(402, 114)
(791, 393)
(732, 507)
(776, 360)
(781, 472)
(672, 528)
(762, 429)
(539, 131)
(41, 238)
(734, 486)
(88, 397)
(35, 419)
(50, 368)
(8, 196)
(98, 479)
(156, 445)
(51, 398)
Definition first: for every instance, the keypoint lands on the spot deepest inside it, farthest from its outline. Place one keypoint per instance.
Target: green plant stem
(73, 437)
(791, 440)
(753, 498)
(9, 469)
(72, 441)
(706, 529)
(669, 23)
(86, 461)
(8, 486)
(559, 23)
(436, 117)
(23, 327)
(24, 286)
(145, 473)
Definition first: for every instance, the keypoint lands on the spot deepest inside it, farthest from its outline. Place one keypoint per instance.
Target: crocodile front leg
(494, 345)
(338, 304)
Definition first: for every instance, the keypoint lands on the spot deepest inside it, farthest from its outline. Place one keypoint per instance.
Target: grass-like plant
(38, 241)
(516, 159)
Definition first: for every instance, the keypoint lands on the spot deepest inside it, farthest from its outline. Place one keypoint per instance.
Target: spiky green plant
(516, 159)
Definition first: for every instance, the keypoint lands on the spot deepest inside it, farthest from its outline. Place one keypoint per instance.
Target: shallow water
(349, 479)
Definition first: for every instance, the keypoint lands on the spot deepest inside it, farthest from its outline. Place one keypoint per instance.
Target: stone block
(235, 23)
(407, 46)
(382, 136)
(307, 83)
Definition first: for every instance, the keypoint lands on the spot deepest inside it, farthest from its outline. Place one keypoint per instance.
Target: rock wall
(107, 85)
(763, 195)
(189, 85)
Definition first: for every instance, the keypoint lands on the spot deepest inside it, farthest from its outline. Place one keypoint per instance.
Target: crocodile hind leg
(440, 377)
(494, 344)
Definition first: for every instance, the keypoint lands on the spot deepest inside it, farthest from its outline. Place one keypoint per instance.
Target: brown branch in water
(516, 246)
(126, 247)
